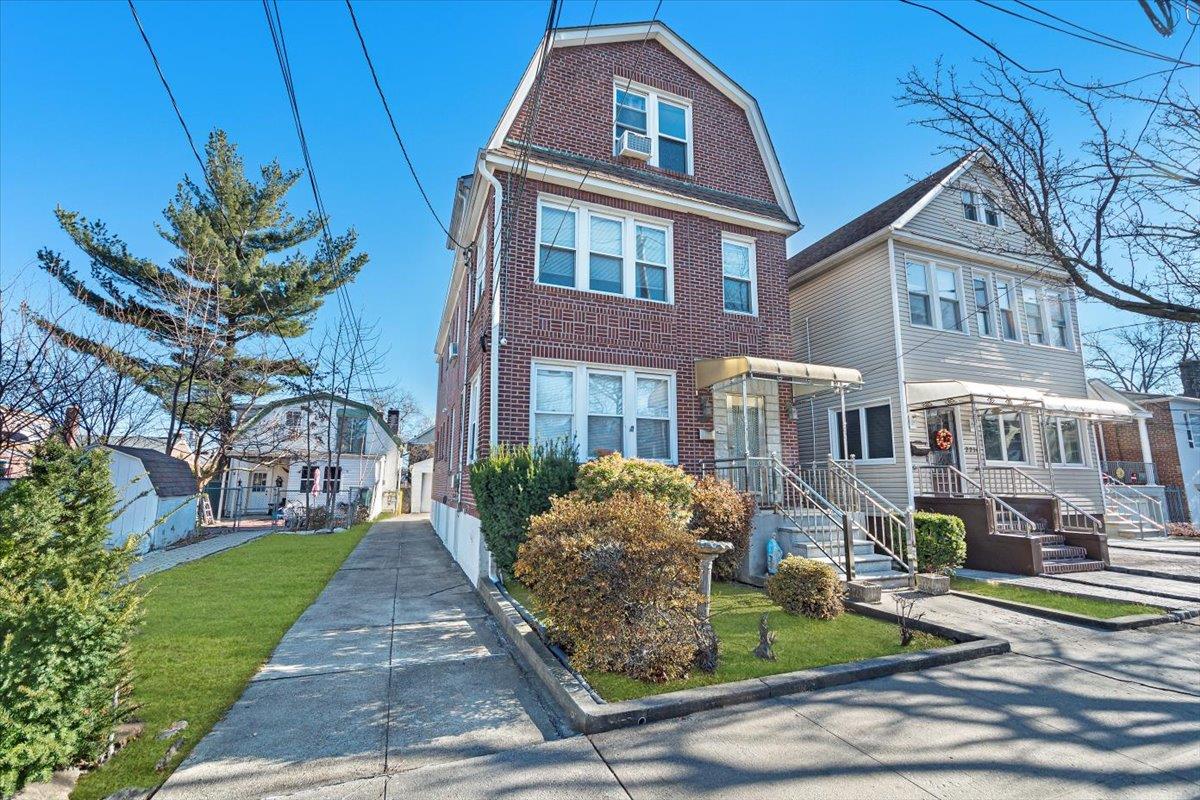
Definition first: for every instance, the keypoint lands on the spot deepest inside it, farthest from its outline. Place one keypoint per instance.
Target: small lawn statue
(774, 556)
(766, 638)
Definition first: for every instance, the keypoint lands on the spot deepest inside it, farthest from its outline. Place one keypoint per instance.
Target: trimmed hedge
(941, 541)
(515, 483)
(724, 514)
(604, 477)
(616, 579)
(806, 586)
(65, 616)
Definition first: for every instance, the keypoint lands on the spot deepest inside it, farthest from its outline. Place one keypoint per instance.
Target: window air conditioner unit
(634, 145)
(453, 349)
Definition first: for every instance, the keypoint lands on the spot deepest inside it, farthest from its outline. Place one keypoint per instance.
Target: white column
(1147, 457)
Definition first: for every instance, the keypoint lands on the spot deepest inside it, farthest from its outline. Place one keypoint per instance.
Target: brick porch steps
(1050, 539)
(1060, 552)
(1066, 565)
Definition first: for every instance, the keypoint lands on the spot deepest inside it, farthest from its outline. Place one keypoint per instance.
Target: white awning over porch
(804, 378)
(930, 394)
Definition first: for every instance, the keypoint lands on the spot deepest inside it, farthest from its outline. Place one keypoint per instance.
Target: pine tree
(212, 315)
(65, 615)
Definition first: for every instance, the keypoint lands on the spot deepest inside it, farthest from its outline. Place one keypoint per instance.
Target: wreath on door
(943, 439)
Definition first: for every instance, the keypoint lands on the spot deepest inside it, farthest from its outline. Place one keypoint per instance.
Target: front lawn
(802, 643)
(1044, 598)
(209, 625)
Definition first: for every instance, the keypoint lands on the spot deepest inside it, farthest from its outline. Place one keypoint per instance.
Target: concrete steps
(868, 565)
(1067, 565)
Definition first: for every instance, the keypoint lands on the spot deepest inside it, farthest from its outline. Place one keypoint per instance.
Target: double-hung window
(929, 282)
(970, 205)
(665, 120)
(352, 431)
(1191, 424)
(1003, 436)
(867, 434)
(605, 409)
(293, 420)
(738, 273)
(984, 307)
(308, 478)
(619, 254)
(1063, 441)
(473, 421)
(1006, 314)
(1035, 325)
(333, 480)
(980, 207)
(1056, 315)
(480, 271)
(991, 213)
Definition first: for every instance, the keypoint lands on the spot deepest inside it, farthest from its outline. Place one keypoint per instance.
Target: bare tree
(1118, 212)
(1142, 358)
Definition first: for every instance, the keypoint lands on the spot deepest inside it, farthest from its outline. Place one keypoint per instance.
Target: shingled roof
(868, 223)
(170, 476)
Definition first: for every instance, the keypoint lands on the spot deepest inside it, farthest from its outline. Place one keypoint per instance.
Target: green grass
(801, 643)
(208, 626)
(1043, 598)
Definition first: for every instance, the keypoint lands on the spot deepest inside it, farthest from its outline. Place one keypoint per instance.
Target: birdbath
(708, 550)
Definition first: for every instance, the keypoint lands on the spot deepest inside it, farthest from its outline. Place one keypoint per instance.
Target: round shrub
(808, 587)
(941, 541)
(612, 474)
(724, 514)
(617, 579)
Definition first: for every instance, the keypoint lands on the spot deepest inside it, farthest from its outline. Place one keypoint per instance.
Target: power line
(1111, 43)
(395, 129)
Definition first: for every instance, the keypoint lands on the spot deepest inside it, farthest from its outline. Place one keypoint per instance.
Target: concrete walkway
(158, 560)
(1183, 566)
(1104, 585)
(1173, 544)
(396, 666)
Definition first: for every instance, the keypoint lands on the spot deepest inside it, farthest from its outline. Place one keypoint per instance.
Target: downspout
(494, 336)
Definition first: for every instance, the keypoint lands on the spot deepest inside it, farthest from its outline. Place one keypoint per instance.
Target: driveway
(1071, 713)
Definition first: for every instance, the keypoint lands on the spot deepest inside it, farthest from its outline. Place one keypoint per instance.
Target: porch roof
(929, 394)
(805, 378)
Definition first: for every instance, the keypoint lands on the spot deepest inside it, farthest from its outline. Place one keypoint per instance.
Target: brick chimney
(393, 419)
(71, 426)
(1189, 375)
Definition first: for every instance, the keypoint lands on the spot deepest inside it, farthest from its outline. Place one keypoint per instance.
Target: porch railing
(1141, 509)
(947, 480)
(1015, 482)
(1130, 473)
(881, 521)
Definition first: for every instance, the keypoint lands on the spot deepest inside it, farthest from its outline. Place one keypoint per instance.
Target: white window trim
(1026, 440)
(978, 198)
(1042, 313)
(652, 97)
(473, 420)
(835, 441)
(993, 304)
(1083, 440)
(480, 272)
(749, 242)
(1014, 298)
(1187, 428)
(583, 243)
(628, 407)
(1043, 294)
(935, 312)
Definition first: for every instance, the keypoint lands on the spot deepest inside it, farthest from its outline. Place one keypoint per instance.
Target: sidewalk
(158, 560)
(394, 667)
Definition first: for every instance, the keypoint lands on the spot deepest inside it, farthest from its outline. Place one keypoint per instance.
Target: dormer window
(664, 120)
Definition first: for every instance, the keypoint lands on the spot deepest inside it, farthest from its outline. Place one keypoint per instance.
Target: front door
(747, 434)
(257, 503)
(942, 429)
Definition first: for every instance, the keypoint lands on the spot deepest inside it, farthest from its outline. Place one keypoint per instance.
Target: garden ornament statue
(709, 550)
(766, 638)
(774, 556)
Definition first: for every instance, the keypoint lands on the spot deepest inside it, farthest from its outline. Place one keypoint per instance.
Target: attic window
(980, 207)
(665, 119)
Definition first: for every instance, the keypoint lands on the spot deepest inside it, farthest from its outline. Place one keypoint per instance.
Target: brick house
(619, 275)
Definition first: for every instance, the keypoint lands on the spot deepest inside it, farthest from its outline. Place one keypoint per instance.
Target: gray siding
(844, 318)
(943, 220)
(940, 355)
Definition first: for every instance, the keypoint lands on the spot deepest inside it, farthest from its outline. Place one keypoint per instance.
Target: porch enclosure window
(619, 254)
(1003, 436)
(352, 430)
(1063, 440)
(751, 418)
(605, 410)
(983, 306)
(308, 478)
(738, 272)
(1034, 323)
(1004, 310)
(868, 433)
(333, 480)
(926, 284)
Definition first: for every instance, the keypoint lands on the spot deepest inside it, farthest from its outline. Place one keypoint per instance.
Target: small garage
(156, 497)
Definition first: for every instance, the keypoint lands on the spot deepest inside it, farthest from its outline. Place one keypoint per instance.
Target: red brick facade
(1122, 443)
(550, 322)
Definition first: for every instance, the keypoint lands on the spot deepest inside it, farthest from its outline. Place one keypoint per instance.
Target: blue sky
(85, 123)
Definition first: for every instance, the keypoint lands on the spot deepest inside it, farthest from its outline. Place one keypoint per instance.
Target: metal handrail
(1004, 513)
(817, 501)
(1040, 488)
(1156, 524)
(898, 523)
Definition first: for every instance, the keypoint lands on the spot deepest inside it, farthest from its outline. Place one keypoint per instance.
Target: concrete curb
(1153, 573)
(587, 715)
(1115, 624)
(1191, 553)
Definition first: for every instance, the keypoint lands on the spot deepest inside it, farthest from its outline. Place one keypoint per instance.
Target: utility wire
(395, 128)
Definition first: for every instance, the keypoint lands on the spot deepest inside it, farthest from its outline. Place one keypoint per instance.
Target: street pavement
(424, 700)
